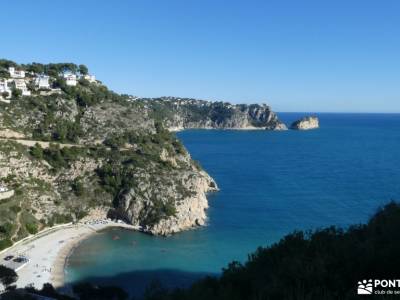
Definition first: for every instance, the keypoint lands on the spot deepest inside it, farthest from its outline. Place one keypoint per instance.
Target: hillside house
(5, 193)
(90, 78)
(42, 82)
(15, 73)
(70, 79)
(21, 85)
(4, 88)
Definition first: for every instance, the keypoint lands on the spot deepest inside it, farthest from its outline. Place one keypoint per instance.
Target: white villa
(21, 85)
(90, 78)
(42, 82)
(4, 87)
(16, 74)
(70, 79)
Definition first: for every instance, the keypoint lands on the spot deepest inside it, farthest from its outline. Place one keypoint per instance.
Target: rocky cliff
(137, 204)
(178, 114)
(76, 148)
(305, 123)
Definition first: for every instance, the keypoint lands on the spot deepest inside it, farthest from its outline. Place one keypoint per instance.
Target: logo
(365, 287)
(379, 287)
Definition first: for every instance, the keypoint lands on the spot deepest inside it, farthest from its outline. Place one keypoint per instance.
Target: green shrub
(84, 82)
(80, 214)
(15, 209)
(60, 219)
(32, 228)
(66, 131)
(6, 229)
(5, 244)
(77, 187)
(37, 151)
(110, 175)
(16, 93)
(60, 158)
(83, 70)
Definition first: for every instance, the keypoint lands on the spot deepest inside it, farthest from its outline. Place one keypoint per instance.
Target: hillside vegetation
(323, 264)
(72, 148)
(68, 144)
(183, 113)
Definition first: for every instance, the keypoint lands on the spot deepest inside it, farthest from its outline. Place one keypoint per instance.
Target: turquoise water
(271, 184)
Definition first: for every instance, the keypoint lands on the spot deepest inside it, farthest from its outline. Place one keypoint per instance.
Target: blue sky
(295, 55)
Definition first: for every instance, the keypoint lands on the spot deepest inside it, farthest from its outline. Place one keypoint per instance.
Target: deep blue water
(271, 184)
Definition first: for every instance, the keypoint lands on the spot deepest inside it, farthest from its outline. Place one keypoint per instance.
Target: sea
(271, 184)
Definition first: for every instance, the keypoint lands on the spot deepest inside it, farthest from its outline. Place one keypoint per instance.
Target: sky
(318, 56)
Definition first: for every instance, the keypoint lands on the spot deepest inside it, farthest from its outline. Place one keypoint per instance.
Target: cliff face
(77, 148)
(305, 123)
(178, 114)
(139, 173)
(137, 205)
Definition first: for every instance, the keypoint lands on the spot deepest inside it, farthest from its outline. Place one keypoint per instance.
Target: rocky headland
(183, 113)
(70, 145)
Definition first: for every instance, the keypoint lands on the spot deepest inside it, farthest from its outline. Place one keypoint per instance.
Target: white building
(90, 78)
(70, 79)
(42, 82)
(4, 194)
(4, 88)
(16, 74)
(21, 85)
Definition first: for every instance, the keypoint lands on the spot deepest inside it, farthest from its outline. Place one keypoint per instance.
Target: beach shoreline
(48, 251)
(58, 276)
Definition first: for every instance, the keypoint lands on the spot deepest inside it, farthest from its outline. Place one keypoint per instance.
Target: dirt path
(18, 220)
(31, 143)
(9, 133)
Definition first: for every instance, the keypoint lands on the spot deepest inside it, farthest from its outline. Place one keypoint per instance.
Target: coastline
(59, 264)
(247, 128)
(48, 251)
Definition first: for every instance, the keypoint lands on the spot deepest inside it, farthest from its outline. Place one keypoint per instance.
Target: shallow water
(271, 184)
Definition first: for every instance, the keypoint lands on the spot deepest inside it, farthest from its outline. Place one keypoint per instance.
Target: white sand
(48, 251)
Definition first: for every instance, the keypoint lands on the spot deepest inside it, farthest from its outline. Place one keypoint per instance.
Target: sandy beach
(47, 251)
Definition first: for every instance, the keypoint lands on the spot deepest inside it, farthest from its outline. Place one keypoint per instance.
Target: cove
(272, 183)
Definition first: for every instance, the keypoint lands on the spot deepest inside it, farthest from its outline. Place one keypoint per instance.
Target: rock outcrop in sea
(305, 123)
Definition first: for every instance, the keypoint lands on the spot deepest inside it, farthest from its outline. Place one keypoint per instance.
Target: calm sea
(271, 184)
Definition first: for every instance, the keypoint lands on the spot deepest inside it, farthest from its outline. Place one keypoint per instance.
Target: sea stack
(305, 123)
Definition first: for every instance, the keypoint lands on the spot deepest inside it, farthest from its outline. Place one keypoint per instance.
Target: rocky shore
(190, 211)
(184, 113)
